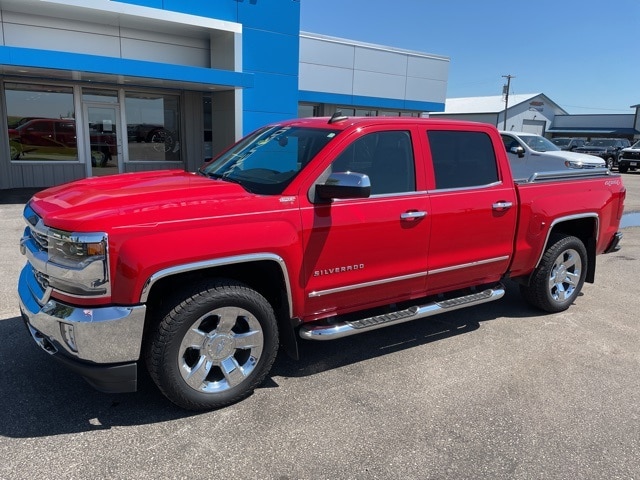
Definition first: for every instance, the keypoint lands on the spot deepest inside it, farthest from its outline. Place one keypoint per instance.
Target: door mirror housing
(344, 185)
(519, 150)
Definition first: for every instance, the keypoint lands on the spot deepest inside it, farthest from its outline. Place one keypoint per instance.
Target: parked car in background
(530, 153)
(606, 148)
(629, 158)
(33, 138)
(567, 143)
(162, 138)
(51, 137)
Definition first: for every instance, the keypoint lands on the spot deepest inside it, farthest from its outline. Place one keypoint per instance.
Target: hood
(143, 199)
(578, 157)
(593, 149)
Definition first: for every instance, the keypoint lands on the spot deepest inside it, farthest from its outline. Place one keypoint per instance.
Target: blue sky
(584, 55)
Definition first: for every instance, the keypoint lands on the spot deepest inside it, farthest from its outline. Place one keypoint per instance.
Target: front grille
(40, 238)
(37, 230)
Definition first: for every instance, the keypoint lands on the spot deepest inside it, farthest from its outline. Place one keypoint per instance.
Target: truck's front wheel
(559, 277)
(214, 347)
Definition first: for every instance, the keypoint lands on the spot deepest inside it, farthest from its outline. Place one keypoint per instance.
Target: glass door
(104, 139)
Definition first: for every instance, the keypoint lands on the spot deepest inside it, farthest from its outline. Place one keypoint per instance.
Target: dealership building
(96, 87)
(537, 113)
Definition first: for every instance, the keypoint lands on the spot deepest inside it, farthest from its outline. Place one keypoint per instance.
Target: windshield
(636, 145)
(266, 161)
(538, 143)
(561, 142)
(602, 143)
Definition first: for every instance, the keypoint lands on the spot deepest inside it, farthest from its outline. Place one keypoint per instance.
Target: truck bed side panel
(542, 204)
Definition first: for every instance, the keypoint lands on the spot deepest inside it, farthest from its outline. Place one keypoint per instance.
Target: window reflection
(153, 126)
(41, 122)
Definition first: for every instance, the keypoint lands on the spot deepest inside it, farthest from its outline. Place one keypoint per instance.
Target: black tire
(622, 169)
(214, 347)
(559, 277)
(610, 163)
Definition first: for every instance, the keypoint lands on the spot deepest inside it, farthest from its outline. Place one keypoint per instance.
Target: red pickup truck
(314, 228)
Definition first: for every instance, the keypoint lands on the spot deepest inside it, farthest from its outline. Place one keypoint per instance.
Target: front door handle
(413, 214)
(502, 205)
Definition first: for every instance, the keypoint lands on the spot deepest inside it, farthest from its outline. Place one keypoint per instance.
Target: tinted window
(462, 159)
(266, 161)
(33, 112)
(386, 157)
(153, 126)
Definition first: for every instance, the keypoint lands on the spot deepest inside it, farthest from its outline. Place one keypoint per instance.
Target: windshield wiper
(226, 178)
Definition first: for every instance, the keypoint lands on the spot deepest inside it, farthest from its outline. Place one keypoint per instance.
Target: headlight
(581, 164)
(574, 164)
(78, 263)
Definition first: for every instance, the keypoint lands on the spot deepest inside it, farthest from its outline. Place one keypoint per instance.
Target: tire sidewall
(166, 346)
(559, 248)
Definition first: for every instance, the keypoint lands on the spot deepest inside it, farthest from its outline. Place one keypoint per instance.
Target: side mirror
(344, 185)
(519, 150)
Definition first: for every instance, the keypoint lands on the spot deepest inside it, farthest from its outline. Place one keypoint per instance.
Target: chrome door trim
(329, 291)
(468, 265)
(356, 286)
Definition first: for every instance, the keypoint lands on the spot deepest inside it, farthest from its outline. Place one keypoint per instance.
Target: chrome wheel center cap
(561, 274)
(220, 346)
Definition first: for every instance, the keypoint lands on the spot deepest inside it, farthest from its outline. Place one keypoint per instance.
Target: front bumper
(100, 343)
(629, 163)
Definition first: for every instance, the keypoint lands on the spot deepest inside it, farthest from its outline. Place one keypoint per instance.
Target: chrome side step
(331, 331)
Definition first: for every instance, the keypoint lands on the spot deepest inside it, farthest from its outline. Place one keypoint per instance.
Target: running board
(331, 331)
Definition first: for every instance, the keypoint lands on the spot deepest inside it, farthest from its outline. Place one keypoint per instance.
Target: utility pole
(505, 91)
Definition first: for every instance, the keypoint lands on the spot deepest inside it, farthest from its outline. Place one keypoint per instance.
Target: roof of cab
(345, 122)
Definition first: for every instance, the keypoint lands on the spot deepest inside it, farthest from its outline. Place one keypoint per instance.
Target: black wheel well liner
(586, 229)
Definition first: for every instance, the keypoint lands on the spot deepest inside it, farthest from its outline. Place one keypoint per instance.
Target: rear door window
(462, 159)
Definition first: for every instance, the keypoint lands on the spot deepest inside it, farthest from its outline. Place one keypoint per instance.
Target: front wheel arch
(212, 345)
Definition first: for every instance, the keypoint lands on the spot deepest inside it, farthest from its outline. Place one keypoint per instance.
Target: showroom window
(153, 126)
(41, 121)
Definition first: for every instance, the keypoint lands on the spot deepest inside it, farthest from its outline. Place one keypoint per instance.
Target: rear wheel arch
(558, 279)
(585, 228)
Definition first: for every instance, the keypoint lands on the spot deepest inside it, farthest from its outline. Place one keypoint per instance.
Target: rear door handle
(413, 214)
(502, 205)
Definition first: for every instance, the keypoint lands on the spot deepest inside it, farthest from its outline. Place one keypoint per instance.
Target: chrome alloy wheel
(565, 275)
(220, 350)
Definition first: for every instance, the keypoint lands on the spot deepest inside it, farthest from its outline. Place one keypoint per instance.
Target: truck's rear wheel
(214, 347)
(559, 277)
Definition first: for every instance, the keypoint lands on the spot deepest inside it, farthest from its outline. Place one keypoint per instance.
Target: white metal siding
(32, 31)
(330, 65)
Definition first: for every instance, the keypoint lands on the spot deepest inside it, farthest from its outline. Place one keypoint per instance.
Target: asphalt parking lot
(499, 391)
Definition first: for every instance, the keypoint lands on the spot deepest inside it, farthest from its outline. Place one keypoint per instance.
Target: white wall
(331, 65)
(67, 35)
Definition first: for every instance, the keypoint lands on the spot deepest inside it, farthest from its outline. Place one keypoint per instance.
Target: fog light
(69, 336)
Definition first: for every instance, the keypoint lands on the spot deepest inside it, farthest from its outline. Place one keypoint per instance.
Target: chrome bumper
(614, 246)
(85, 335)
